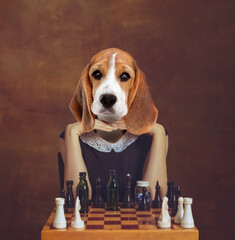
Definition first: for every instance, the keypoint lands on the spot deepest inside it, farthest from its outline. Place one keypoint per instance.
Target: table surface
(122, 224)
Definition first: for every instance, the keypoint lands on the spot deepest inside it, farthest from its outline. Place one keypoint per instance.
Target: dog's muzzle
(108, 100)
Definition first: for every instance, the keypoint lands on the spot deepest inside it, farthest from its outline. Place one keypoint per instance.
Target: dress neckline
(98, 143)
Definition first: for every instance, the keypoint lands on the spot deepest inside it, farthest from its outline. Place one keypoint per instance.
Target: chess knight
(115, 125)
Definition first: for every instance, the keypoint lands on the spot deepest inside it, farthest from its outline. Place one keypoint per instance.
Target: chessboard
(122, 224)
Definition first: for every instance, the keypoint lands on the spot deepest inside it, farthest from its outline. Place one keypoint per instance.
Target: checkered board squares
(146, 220)
(122, 224)
(128, 219)
(95, 219)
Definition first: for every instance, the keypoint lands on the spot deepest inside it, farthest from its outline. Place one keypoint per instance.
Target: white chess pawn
(59, 220)
(164, 220)
(187, 220)
(77, 222)
(180, 211)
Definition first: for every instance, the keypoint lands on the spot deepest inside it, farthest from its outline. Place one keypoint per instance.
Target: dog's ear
(80, 104)
(142, 113)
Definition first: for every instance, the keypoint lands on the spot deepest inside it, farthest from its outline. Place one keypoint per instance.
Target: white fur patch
(110, 85)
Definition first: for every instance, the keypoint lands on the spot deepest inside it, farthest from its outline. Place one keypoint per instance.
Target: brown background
(185, 49)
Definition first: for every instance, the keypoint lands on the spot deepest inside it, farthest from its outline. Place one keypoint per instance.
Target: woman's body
(154, 165)
(111, 97)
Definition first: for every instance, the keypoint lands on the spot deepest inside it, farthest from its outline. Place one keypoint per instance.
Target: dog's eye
(97, 74)
(124, 76)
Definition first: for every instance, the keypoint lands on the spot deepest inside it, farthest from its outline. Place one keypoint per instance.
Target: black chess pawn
(70, 202)
(174, 202)
(98, 199)
(144, 205)
(127, 201)
(157, 202)
(62, 195)
(178, 190)
(170, 193)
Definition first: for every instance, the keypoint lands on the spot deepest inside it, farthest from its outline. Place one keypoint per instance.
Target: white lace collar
(98, 143)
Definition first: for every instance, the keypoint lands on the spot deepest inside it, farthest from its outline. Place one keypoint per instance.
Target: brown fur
(142, 113)
(80, 104)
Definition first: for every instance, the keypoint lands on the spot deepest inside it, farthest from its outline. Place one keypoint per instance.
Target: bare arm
(72, 155)
(155, 164)
(74, 162)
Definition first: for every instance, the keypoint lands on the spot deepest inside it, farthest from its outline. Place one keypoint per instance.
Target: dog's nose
(108, 100)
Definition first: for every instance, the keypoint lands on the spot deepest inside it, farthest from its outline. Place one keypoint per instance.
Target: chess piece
(77, 222)
(174, 202)
(69, 195)
(144, 204)
(82, 192)
(62, 195)
(138, 191)
(61, 172)
(180, 211)
(128, 202)
(98, 199)
(187, 220)
(164, 220)
(157, 202)
(112, 192)
(59, 220)
(170, 193)
(178, 190)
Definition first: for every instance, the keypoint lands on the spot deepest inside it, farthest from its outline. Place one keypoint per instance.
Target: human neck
(111, 137)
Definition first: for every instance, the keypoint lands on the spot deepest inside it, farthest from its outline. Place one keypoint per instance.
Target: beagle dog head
(112, 87)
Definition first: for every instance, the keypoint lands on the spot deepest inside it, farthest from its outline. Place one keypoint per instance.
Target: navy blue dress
(131, 160)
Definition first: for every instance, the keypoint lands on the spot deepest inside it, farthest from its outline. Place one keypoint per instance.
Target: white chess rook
(59, 220)
(164, 220)
(187, 220)
(77, 222)
(180, 212)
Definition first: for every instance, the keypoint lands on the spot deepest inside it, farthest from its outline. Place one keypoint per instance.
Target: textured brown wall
(184, 47)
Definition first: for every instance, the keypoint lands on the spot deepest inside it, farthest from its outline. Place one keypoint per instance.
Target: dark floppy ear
(80, 104)
(142, 113)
